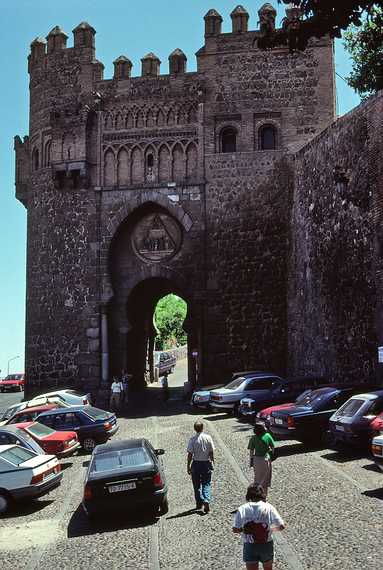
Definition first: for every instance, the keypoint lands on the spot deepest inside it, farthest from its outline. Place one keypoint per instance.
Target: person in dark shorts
(256, 520)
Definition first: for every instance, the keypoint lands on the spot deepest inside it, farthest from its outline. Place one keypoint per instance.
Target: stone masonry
(232, 186)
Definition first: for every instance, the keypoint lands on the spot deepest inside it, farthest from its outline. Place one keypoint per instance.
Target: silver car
(253, 386)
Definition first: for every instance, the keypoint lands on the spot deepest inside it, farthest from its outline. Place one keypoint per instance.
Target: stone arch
(164, 163)
(192, 114)
(160, 118)
(150, 118)
(228, 139)
(108, 121)
(191, 161)
(171, 118)
(150, 159)
(129, 120)
(268, 136)
(139, 120)
(109, 168)
(119, 121)
(178, 163)
(48, 153)
(137, 165)
(123, 167)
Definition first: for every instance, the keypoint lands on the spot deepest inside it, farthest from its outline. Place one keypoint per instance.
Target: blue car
(12, 435)
(93, 426)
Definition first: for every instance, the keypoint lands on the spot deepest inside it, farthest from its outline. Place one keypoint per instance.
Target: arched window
(229, 140)
(267, 138)
(35, 159)
(150, 160)
(47, 154)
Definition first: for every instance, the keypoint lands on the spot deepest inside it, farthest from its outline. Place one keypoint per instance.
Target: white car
(70, 397)
(39, 401)
(251, 386)
(201, 398)
(26, 475)
(377, 450)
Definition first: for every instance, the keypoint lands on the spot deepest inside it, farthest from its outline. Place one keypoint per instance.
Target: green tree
(365, 45)
(169, 317)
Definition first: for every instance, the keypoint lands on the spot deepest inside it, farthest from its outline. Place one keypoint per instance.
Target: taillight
(157, 481)
(290, 422)
(87, 493)
(85, 401)
(107, 425)
(37, 478)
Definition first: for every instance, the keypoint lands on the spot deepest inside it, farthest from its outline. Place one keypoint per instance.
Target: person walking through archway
(256, 520)
(261, 447)
(200, 464)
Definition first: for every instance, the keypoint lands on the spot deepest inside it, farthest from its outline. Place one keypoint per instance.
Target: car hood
(204, 393)
(292, 411)
(267, 411)
(378, 440)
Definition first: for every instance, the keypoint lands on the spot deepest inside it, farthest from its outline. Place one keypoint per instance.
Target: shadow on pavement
(345, 455)
(81, 525)
(25, 509)
(221, 416)
(294, 449)
(372, 467)
(65, 465)
(185, 514)
(374, 493)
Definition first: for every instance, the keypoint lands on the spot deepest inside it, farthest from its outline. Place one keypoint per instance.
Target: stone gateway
(234, 187)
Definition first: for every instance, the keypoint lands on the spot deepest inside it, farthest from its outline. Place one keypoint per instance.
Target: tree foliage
(365, 45)
(317, 18)
(169, 317)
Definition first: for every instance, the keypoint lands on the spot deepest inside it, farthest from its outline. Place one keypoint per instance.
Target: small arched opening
(267, 137)
(228, 140)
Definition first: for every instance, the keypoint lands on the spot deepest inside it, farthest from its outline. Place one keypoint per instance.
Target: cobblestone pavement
(332, 505)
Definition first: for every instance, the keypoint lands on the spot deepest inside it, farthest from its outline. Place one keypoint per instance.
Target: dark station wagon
(92, 425)
(128, 475)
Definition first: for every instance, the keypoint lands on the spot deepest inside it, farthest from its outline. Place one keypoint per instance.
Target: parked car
(12, 382)
(14, 435)
(26, 475)
(274, 391)
(165, 362)
(201, 396)
(60, 443)
(92, 425)
(377, 450)
(125, 475)
(11, 410)
(70, 397)
(253, 385)
(29, 414)
(263, 416)
(307, 420)
(352, 423)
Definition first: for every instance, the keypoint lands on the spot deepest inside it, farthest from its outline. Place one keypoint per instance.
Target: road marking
(287, 551)
(154, 546)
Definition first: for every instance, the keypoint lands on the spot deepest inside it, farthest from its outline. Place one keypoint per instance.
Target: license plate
(278, 421)
(122, 487)
(339, 428)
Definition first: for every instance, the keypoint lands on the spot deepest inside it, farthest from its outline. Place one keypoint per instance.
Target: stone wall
(332, 279)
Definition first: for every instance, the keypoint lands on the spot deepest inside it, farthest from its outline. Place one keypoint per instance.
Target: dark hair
(255, 493)
(198, 427)
(259, 429)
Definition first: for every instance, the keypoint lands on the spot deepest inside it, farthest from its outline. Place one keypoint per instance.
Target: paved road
(9, 398)
(331, 504)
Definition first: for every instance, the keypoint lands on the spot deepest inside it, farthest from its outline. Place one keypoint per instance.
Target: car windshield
(314, 397)
(40, 430)
(351, 407)
(134, 457)
(96, 413)
(9, 413)
(235, 383)
(17, 455)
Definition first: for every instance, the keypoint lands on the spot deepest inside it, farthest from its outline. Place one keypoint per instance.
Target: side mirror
(159, 451)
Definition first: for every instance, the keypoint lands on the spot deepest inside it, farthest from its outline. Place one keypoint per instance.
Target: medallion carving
(156, 237)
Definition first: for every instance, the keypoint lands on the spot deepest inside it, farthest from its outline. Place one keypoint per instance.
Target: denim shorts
(258, 552)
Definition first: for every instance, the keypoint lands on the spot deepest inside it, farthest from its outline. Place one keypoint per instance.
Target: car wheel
(164, 507)
(4, 502)
(89, 443)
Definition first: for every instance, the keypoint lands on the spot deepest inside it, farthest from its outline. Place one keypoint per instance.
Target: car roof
(12, 427)
(36, 409)
(5, 447)
(121, 444)
(370, 395)
(65, 410)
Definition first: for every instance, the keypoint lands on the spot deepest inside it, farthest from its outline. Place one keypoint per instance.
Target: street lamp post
(10, 360)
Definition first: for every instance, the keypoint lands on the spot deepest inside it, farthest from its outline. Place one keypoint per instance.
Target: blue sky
(123, 27)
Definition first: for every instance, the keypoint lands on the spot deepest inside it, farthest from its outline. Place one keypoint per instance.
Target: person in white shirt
(115, 394)
(200, 464)
(256, 520)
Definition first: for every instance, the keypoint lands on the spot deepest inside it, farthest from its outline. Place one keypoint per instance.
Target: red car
(264, 415)
(12, 382)
(377, 425)
(30, 414)
(60, 443)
